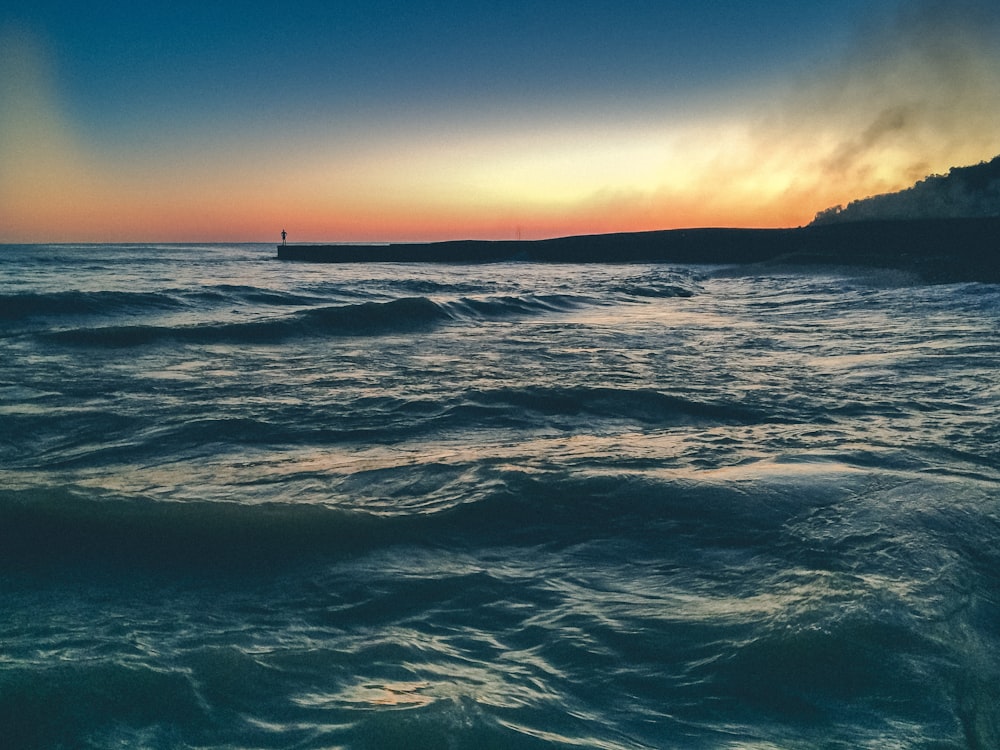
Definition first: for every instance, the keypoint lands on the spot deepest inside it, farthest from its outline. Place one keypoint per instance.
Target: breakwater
(938, 249)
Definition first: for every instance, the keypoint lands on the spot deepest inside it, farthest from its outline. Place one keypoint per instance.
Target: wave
(509, 306)
(252, 295)
(782, 602)
(16, 307)
(67, 527)
(66, 703)
(367, 318)
(67, 438)
(428, 287)
(656, 290)
(359, 319)
(62, 527)
(646, 406)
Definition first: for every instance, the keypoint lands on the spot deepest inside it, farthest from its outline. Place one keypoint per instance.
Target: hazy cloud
(888, 124)
(915, 93)
(919, 91)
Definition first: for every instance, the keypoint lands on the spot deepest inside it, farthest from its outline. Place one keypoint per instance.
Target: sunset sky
(385, 120)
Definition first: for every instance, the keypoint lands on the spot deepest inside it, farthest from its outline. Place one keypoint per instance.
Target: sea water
(247, 503)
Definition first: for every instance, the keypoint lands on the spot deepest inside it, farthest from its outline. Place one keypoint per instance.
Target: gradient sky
(385, 120)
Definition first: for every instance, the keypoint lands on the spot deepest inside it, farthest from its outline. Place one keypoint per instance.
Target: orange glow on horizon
(770, 160)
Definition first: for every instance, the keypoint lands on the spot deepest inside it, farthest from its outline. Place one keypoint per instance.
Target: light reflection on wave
(569, 506)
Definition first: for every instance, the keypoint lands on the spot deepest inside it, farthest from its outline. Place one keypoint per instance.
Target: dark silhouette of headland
(965, 192)
(938, 246)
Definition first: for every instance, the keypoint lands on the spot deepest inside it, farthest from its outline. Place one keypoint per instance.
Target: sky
(350, 121)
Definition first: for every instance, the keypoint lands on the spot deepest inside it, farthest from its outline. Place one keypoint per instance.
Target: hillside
(965, 192)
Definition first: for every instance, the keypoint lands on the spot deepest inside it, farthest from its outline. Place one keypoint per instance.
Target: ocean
(249, 503)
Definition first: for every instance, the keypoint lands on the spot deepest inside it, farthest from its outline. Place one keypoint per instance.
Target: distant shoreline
(937, 249)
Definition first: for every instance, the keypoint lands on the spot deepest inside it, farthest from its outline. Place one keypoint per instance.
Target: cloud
(47, 178)
(888, 124)
(29, 127)
(920, 91)
(915, 93)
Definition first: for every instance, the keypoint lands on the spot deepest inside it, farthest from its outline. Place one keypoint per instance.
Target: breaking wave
(16, 307)
(361, 319)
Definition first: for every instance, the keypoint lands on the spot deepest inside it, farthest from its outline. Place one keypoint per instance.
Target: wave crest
(366, 318)
(359, 319)
(17, 307)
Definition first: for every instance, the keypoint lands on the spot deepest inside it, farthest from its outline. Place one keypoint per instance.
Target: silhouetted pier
(937, 249)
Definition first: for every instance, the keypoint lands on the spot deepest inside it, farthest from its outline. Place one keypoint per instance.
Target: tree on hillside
(972, 191)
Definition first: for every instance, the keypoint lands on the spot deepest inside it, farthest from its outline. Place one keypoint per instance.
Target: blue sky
(181, 59)
(430, 119)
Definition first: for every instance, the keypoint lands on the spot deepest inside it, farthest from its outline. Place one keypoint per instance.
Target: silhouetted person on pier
(283, 233)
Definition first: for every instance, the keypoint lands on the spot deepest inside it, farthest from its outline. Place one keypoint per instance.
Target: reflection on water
(246, 503)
